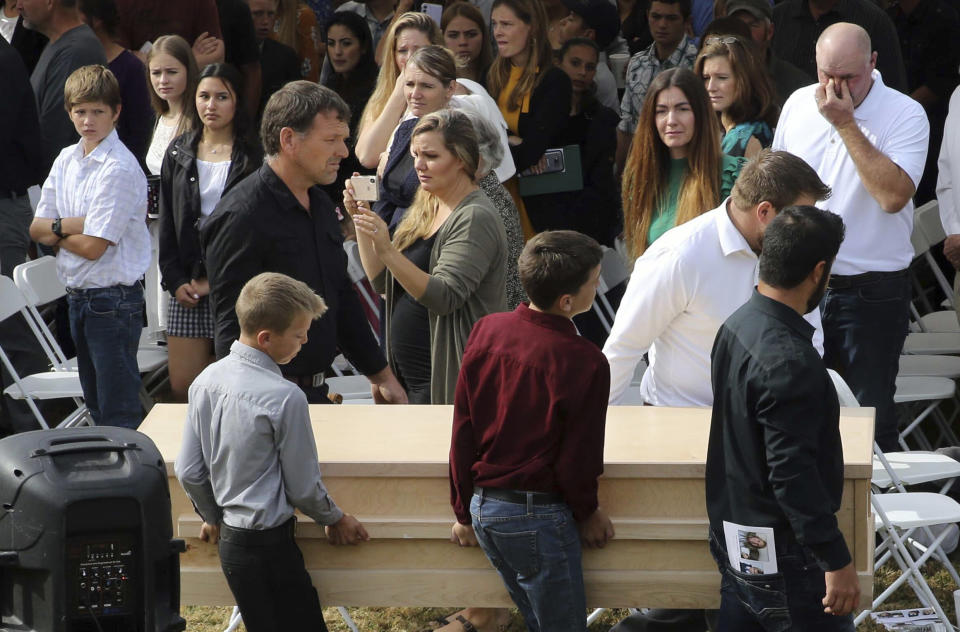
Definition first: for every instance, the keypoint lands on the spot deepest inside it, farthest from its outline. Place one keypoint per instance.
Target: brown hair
(272, 301)
(437, 62)
(466, 10)
(648, 163)
(89, 84)
(460, 139)
(532, 13)
(179, 49)
(387, 79)
(557, 262)
(777, 177)
(755, 99)
(296, 105)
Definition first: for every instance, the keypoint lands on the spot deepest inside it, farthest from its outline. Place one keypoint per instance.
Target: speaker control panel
(100, 574)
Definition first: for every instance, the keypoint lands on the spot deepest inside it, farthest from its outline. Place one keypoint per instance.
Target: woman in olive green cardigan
(448, 254)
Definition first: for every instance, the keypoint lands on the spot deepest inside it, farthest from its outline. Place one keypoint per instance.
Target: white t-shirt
(163, 133)
(948, 182)
(212, 178)
(897, 126)
(7, 26)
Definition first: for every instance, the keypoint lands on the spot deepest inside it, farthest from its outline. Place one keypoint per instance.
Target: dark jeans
(536, 550)
(269, 581)
(864, 326)
(106, 325)
(788, 600)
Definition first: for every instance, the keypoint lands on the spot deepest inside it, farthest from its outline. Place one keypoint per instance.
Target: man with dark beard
(775, 459)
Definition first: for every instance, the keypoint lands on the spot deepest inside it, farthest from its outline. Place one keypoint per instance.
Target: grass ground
(210, 619)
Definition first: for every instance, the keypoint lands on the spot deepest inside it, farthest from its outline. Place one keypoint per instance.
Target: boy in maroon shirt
(528, 429)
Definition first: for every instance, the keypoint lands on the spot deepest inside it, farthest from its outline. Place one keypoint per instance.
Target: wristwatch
(56, 228)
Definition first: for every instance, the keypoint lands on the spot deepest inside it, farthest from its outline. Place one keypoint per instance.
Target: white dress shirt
(948, 180)
(108, 189)
(897, 126)
(248, 453)
(686, 284)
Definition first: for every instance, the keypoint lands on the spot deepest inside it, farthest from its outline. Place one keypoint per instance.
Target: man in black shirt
(774, 458)
(799, 23)
(278, 220)
(22, 168)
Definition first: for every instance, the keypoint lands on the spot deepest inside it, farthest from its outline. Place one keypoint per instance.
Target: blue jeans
(106, 325)
(864, 327)
(788, 600)
(536, 550)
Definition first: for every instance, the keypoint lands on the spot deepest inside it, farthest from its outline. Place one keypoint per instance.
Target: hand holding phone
(366, 188)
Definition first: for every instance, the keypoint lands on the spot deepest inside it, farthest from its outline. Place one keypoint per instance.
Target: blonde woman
(446, 265)
(410, 31)
(297, 28)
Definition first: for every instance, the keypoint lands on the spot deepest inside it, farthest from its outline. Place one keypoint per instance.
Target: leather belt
(307, 381)
(520, 497)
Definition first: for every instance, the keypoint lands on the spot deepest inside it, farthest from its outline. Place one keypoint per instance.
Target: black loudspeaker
(86, 539)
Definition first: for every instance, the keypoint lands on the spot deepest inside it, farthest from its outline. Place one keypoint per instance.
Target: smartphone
(366, 188)
(554, 163)
(435, 11)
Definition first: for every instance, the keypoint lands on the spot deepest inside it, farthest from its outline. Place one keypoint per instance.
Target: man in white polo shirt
(692, 278)
(868, 142)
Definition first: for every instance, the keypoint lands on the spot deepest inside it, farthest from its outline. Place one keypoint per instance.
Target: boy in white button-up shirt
(92, 210)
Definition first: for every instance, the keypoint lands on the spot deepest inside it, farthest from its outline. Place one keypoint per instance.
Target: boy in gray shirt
(248, 459)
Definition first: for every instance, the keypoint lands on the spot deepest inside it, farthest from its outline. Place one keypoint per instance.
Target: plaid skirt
(196, 322)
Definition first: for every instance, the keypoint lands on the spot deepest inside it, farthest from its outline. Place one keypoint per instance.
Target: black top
(775, 457)
(930, 46)
(540, 127)
(29, 44)
(595, 210)
(410, 326)
(180, 258)
(20, 131)
(797, 33)
(239, 36)
(259, 226)
(279, 65)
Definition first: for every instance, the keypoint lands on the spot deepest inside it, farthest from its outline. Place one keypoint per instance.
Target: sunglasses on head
(721, 40)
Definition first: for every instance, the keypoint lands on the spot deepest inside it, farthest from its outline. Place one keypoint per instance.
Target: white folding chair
(613, 272)
(928, 393)
(55, 384)
(358, 276)
(40, 285)
(350, 387)
(904, 512)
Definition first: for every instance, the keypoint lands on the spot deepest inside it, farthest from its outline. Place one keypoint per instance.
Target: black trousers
(268, 579)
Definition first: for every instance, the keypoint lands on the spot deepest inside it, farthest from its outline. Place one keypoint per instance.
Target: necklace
(216, 149)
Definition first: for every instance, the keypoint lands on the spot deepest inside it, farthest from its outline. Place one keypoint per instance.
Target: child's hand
(463, 535)
(209, 533)
(596, 530)
(347, 530)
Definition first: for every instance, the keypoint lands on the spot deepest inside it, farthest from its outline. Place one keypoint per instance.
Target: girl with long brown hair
(675, 170)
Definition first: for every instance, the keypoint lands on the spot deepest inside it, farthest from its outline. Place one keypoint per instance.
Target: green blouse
(666, 215)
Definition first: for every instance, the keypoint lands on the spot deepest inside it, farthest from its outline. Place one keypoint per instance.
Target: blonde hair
(287, 22)
(648, 164)
(532, 13)
(389, 73)
(89, 84)
(272, 301)
(179, 49)
(460, 139)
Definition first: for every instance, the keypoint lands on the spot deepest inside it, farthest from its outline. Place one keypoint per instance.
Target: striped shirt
(107, 188)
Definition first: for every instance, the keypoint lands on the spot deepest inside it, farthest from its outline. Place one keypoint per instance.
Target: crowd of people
(216, 140)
